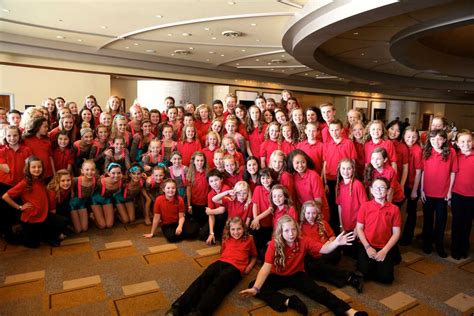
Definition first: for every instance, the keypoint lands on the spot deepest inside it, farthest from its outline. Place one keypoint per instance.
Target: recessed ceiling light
(150, 51)
(269, 63)
(103, 27)
(356, 33)
(169, 34)
(127, 47)
(283, 70)
(253, 24)
(243, 50)
(231, 2)
(191, 48)
(172, 54)
(158, 16)
(207, 59)
(283, 55)
(213, 38)
(272, 69)
(222, 55)
(6, 10)
(237, 64)
(306, 74)
(187, 34)
(376, 61)
(79, 40)
(257, 40)
(206, 29)
(60, 37)
(257, 59)
(211, 52)
(136, 44)
(362, 54)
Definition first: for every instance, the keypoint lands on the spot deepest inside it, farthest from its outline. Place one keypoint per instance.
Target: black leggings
(190, 231)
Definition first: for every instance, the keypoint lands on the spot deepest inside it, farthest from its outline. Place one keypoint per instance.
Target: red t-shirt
(255, 139)
(169, 210)
(437, 173)
(239, 158)
(294, 255)
(278, 213)
(286, 179)
(62, 158)
(360, 158)
(199, 189)
(238, 252)
(236, 209)
(389, 173)
(202, 129)
(261, 197)
(350, 200)
(41, 148)
(309, 187)
(287, 147)
(267, 148)
(402, 152)
(333, 153)
(15, 161)
(378, 221)
(209, 157)
(369, 147)
(464, 181)
(315, 152)
(213, 193)
(36, 195)
(326, 136)
(415, 162)
(312, 232)
(53, 200)
(231, 180)
(187, 149)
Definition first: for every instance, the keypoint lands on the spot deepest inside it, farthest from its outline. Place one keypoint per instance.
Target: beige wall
(33, 85)
(124, 89)
(461, 114)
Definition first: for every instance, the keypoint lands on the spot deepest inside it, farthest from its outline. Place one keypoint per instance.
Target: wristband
(211, 233)
(256, 289)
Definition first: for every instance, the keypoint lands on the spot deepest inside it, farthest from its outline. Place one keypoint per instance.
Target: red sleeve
(361, 214)
(157, 206)
(329, 230)
(418, 159)
(270, 253)
(253, 248)
(454, 163)
(52, 200)
(18, 189)
(392, 155)
(180, 205)
(397, 218)
(313, 246)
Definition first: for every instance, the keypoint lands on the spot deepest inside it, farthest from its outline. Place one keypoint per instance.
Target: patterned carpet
(118, 272)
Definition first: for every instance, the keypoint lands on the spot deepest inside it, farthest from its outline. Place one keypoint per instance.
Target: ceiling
(391, 47)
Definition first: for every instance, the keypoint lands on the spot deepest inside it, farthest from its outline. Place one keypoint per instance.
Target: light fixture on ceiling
(211, 52)
(356, 33)
(326, 77)
(253, 24)
(222, 55)
(79, 40)
(60, 37)
(182, 52)
(278, 61)
(291, 3)
(127, 47)
(257, 59)
(257, 40)
(186, 34)
(5, 10)
(213, 38)
(150, 51)
(242, 50)
(206, 29)
(169, 34)
(230, 33)
(103, 27)
(362, 54)
(135, 44)
(158, 16)
(207, 59)
(231, 2)
(191, 48)
(237, 64)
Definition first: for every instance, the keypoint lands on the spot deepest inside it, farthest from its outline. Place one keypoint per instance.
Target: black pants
(301, 282)
(333, 208)
(262, 236)
(410, 222)
(47, 231)
(199, 214)
(8, 215)
(219, 224)
(325, 269)
(190, 231)
(463, 213)
(207, 292)
(434, 210)
(380, 271)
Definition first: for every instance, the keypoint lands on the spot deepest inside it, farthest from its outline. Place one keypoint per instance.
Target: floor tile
(427, 267)
(82, 282)
(74, 241)
(421, 310)
(204, 261)
(411, 257)
(118, 244)
(21, 290)
(461, 302)
(162, 248)
(136, 288)
(24, 277)
(140, 304)
(468, 266)
(71, 249)
(116, 253)
(75, 297)
(399, 302)
(209, 251)
(165, 257)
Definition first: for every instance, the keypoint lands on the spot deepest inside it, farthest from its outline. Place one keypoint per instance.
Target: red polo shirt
(267, 148)
(286, 179)
(315, 152)
(15, 161)
(378, 221)
(437, 173)
(402, 152)
(199, 189)
(41, 148)
(238, 252)
(312, 232)
(261, 197)
(236, 209)
(62, 158)
(277, 214)
(415, 162)
(360, 158)
(294, 255)
(37, 195)
(187, 149)
(464, 181)
(369, 147)
(334, 152)
(255, 138)
(309, 187)
(213, 193)
(287, 147)
(202, 129)
(389, 173)
(350, 198)
(209, 157)
(168, 209)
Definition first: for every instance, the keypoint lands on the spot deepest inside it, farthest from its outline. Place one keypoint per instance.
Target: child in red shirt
(189, 144)
(289, 137)
(378, 228)
(238, 257)
(169, 208)
(322, 267)
(237, 202)
(229, 145)
(34, 206)
(233, 171)
(376, 137)
(394, 132)
(463, 197)
(271, 143)
(284, 268)
(35, 137)
(251, 172)
(197, 188)
(212, 143)
(439, 170)
(255, 130)
(217, 216)
(412, 185)
(358, 139)
(152, 191)
(281, 204)
(312, 147)
(278, 166)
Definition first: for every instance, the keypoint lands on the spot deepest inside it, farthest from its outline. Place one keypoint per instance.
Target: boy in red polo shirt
(378, 228)
(335, 149)
(312, 147)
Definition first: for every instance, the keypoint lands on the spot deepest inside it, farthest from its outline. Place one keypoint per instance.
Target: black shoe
(441, 252)
(356, 281)
(465, 255)
(54, 243)
(456, 256)
(173, 311)
(419, 237)
(361, 313)
(427, 248)
(295, 303)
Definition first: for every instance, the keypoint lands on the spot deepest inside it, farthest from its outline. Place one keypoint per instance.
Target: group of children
(272, 182)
